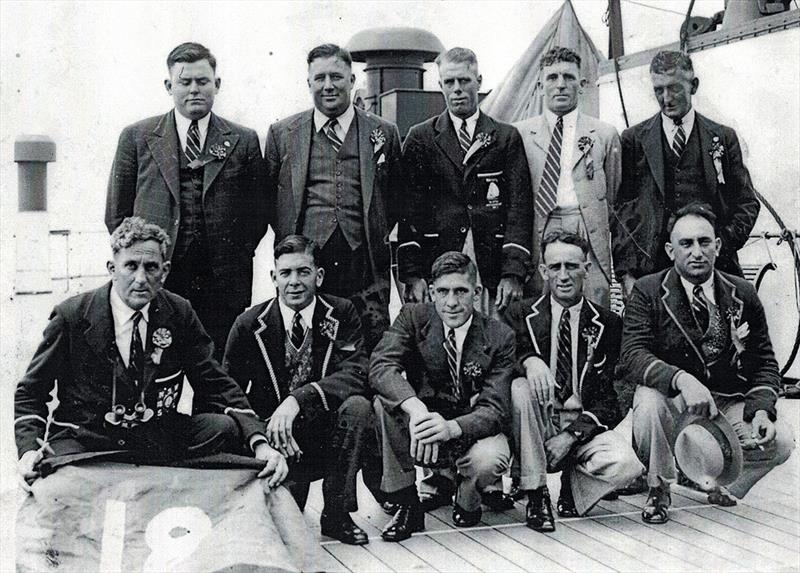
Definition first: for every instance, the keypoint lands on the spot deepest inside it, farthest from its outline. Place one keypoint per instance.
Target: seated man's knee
(649, 403)
(484, 459)
(520, 391)
(784, 442)
(356, 407)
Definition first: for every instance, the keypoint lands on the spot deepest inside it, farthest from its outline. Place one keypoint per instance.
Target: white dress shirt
(574, 321)
(472, 123)
(566, 196)
(306, 314)
(461, 335)
(123, 324)
(182, 125)
(670, 128)
(342, 122)
(708, 289)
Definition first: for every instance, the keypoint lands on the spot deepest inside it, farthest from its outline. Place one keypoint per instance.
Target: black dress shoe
(566, 506)
(408, 519)
(429, 502)
(343, 529)
(389, 507)
(464, 518)
(538, 512)
(496, 500)
(637, 486)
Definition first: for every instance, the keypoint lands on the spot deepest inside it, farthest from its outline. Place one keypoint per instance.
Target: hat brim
(724, 434)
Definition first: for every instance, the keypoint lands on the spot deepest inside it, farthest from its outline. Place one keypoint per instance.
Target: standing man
(443, 377)
(333, 177)
(565, 407)
(696, 338)
(670, 160)
(202, 179)
(575, 166)
(467, 190)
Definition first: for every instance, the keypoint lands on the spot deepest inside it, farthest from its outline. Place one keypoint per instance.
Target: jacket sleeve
(740, 197)
(235, 359)
(257, 192)
(121, 192)
(612, 166)
(519, 226)
(389, 359)
(515, 317)
(396, 180)
(411, 224)
(272, 172)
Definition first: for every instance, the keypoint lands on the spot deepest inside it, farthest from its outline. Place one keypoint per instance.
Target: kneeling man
(300, 360)
(696, 338)
(443, 375)
(565, 407)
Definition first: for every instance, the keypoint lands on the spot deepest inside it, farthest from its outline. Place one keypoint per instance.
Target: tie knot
(565, 315)
(331, 123)
(137, 316)
(698, 292)
(560, 121)
(298, 319)
(678, 122)
(451, 336)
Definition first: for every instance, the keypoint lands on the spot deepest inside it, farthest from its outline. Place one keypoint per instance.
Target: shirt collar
(320, 119)
(687, 121)
(569, 119)
(557, 309)
(307, 314)
(122, 313)
(708, 289)
(182, 124)
(472, 121)
(460, 332)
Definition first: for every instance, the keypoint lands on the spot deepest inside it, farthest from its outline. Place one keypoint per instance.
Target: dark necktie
(330, 132)
(298, 331)
(463, 137)
(564, 356)
(136, 357)
(679, 141)
(547, 197)
(700, 308)
(452, 361)
(193, 142)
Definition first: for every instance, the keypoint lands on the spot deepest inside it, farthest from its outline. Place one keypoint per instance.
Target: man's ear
(274, 277)
(167, 267)
(110, 267)
(695, 84)
(583, 83)
(168, 86)
(320, 276)
(480, 81)
(718, 245)
(543, 271)
(478, 291)
(670, 251)
(217, 83)
(431, 290)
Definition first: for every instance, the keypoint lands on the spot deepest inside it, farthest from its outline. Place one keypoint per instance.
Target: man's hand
(697, 397)
(509, 290)
(435, 429)
(763, 431)
(416, 290)
(558, 447)
(541, 380)
(417, 413)
(279, 428)
(276, 469)
(627, 285)
(26, 467)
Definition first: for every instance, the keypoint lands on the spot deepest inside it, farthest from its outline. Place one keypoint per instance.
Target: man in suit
(696, 338)
(575, 166)
(443, 375)
(468, 190)
(120, 354)
(565, 407)
(300, 359)
(334, 178)
(670, 160)
(202, 179)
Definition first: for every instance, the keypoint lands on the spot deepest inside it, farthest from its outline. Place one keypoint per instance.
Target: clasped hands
(427, 430)
(280, 444)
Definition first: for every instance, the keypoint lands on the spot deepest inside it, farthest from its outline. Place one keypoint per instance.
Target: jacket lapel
(366, 156)
(486, 126)
(159, 316)
(474, 353)
(582, 129)
(706, 136)
(589, 322)
(432, 348)
(653, 150)
(447, 141)
(540, 133)
(99, 332)
(728, 302)
(219, 134)
(299, 152)
(271, 338)
(538, 323)
(676, 303)
(163, 144)
(324, 332)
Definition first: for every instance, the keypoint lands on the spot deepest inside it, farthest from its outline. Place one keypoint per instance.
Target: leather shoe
(343, 529)
(538, 512)
(721, 497)
(464, 518)
(656, 508)
(389, 507)
(566, 506)
(496, 500)
(637, 486)
(435, 500)
(408, 519)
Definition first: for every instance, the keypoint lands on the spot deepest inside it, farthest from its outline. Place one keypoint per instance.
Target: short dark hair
(559, 54)
(668, 61)
(330, 51)
(292, 244)
(564, 236)
(458, 56)
(135, 230)
(694, 208)
(453, 262)
(189, 52)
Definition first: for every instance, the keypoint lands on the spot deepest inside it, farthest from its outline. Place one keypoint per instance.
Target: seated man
(443, 375)
(120, 354)
(565, 407)
(300, 360)
(696, 338)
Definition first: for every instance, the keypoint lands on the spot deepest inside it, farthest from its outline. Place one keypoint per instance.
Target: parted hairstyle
(297, 244)
(668, 61)
(564, 236)
(135, 230)
(559, 54)
(189, 52)
(329, 51)
(453, 262)
(458, 56)
(694, 208)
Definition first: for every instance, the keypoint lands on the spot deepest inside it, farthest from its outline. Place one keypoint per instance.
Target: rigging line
(655, 7)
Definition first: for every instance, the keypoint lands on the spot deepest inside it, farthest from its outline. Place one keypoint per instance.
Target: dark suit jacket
(638, 231)
(660, 338)
(446, 197)
(287, 155)
(410, 360)
(255, 356)
(531, 320)
(79, 351)
(145, 182)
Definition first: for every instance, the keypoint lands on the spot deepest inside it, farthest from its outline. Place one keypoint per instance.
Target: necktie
(564, 356)
(193, 142)
(679, 141)
(700, 308)
(136, 356)
(452, 361)
(298, 331)
(548, 188)
(330, 131)
(463, 137)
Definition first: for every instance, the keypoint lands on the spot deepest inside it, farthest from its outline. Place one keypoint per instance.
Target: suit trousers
(654, 418)
(603, 464)
(482, 465)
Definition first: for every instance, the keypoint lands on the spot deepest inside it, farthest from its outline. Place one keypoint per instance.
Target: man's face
(694, 247)
(674, 92)
(564, 269)
(561, 82)
(460, 83)
(138, 272)
(453, 296)
(193, 87)
(297, 278)
(330, 81)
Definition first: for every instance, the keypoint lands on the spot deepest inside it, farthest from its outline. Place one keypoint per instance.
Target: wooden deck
(761, 533)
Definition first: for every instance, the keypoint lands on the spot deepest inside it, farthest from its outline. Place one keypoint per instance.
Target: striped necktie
(679, 141)
(452, 362)
(700, 308)
(564, 356)
(298, 331)
(330, 131)
(463, 137)
(136, 356)
(548, 188)
(193, 142)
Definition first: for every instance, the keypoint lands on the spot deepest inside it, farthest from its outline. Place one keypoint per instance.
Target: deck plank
(549, 546)
(754, 514)
(437, 555)
(757, 530)
(484, 557)
(517, 552)
(597, 550)
(357, 558)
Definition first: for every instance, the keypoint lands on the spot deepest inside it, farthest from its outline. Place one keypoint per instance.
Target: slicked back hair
(694, 208)
(189, 52)
(459, 56)
(330, 51)
(453, 262)
(567, 237)
(559, 54)
(669, 61)
(297, 244)
(137, 230)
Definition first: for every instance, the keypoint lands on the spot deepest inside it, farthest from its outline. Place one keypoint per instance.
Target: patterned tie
(136, 357)
(463, 137)
(330, 131)
(298, 331)
(700, 308)
(679, 141)
(548, 188)
(193, 142)
(564, 356)
(452, 361)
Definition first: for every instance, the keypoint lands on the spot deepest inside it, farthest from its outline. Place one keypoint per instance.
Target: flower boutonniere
(328, 327)
(162, 338)
(472, 370)
(378, 139)
(591, 334)
(216, 152)
(481, 140)
(585, 144)
(717, 152)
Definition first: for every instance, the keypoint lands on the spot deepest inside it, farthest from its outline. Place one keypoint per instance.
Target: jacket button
(463, 229)
(469, 207)
(121, 442)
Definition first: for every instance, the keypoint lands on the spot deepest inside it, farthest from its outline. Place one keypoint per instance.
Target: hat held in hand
(707, 450)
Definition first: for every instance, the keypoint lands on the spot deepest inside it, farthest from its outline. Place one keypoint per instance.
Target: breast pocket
(491, 190)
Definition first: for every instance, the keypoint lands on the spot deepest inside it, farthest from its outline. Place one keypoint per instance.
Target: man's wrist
(413, 405)
(454, 428)
(257, 439)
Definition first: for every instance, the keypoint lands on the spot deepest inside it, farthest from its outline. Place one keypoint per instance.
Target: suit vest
(684, 177)
(192, 226)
